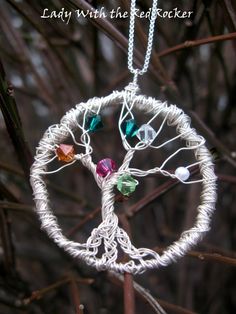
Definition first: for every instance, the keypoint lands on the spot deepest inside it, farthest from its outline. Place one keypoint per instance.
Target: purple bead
(105, 166)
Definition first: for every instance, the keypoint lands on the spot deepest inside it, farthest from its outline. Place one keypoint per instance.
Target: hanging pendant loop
(132, 88)
(135, 78)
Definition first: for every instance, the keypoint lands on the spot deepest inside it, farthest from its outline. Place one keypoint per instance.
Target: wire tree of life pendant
(108, 237)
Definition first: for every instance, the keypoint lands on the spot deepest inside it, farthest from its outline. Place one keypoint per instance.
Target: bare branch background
(47, 67)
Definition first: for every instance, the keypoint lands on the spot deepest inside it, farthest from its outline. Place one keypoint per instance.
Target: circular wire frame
(108, 233)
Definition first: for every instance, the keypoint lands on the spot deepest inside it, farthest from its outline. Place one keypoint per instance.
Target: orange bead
(65, 152)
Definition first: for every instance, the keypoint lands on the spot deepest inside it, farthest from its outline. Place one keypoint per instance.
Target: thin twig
(129, 303)
(75, 296)
(226, 178)
(29, 209)
(128, 287)
(156, 304)
(62, 191)
(6, 240)
(13, 122)
(38, 294)
(215, 257)
(194, 43)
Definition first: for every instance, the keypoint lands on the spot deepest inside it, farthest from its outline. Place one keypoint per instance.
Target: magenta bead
(105, 166)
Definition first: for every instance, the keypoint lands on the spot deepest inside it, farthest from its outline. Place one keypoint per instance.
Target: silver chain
(147, 57)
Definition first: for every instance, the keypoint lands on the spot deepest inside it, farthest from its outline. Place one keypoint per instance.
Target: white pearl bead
(182, 173)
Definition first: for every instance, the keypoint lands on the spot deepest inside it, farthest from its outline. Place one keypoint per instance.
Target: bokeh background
(48, 66)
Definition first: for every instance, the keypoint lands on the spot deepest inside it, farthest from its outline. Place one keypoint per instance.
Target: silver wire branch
(147, 57)
(108, 233)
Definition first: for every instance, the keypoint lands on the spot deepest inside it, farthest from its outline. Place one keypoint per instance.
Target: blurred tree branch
(52, 66)
(198, 42)
(13, 122)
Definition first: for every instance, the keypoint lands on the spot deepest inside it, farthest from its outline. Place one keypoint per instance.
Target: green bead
(129, 127)
(126, 184)
(94, 123)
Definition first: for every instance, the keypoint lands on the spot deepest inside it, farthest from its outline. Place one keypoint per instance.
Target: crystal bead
(129, 127)
(126, 184)
(65, 152)
(146, 133)
(105, 167)
(182, 173)
(94, 123)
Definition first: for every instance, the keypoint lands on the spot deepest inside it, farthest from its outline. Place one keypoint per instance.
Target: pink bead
(105, 166)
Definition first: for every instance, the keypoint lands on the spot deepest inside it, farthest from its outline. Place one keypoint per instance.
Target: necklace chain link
(147, 57)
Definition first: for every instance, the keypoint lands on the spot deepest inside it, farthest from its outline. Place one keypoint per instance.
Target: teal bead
(94, 123)
(129, 127)
(126, 184)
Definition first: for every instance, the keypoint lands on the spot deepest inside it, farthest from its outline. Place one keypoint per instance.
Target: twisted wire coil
(108, 233)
